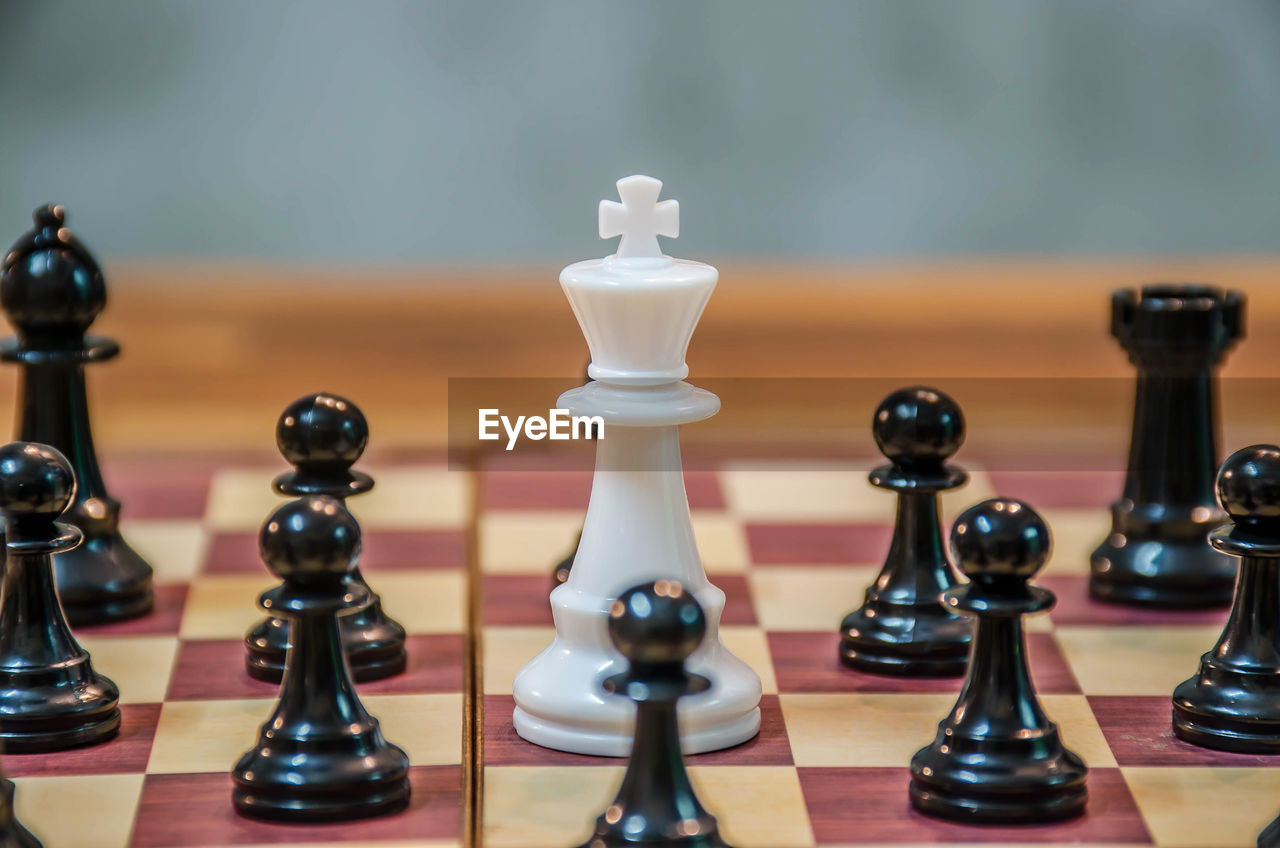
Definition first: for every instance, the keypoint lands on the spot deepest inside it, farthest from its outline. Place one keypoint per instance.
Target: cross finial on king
(639, 218)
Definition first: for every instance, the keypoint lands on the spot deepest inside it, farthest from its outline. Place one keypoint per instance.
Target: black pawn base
(1004, 787)
(353, 780)
(51, 709)
(905, 641)
(1229, 710)
(1169, 566)
(374, 644)
(103, 581)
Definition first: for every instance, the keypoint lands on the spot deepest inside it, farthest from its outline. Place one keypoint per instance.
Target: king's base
(29, 737)
(905, 642)
(577, 739)
(1000, 809)
(103, 581)
(374, 645)
(1150, 572)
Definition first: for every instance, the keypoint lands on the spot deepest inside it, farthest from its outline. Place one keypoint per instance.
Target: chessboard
(794, 544)
(463, 558)
(190, 709)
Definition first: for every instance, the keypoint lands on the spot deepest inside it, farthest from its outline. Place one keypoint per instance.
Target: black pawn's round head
(311, 540)
(50, 285)
(322, 430)
(657, 623)
(918, 427)
(36, 481)
(1000, 540)
(1249, 488)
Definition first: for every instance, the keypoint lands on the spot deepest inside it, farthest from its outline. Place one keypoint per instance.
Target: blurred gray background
(460, 130)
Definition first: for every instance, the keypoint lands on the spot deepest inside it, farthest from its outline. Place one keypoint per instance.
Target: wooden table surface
(212, 352)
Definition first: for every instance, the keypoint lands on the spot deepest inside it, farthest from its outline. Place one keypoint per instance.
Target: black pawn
(656, 626)
(12, 833)
(321, 756)
(902, 628)
(1233, 703)
(997, 757)
(52, 289)
(50, 696)
(322, 435)
(1156, 555)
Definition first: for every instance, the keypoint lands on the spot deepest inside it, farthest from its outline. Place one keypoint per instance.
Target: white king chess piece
(637, 309)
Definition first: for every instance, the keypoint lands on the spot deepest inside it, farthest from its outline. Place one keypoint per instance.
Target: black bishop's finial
(1233, 703)
(1176, 336)
(902, 628)
(50, 696)
(322, 435)
(321, 756)
(52, 289)
(656, 626)
(997, 757)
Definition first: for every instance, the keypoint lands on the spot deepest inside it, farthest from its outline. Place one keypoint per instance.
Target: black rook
(52, 289)
(1156, 553)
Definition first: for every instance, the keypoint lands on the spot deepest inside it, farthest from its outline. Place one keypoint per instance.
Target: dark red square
(195, 810)
(237, 553)
(156, 489)
(164, 620)
(1139, 731)
(782, 544)
(504, 747)
(127, 753)
(809, 662)
(1076, 607)
(849, 806)
(1046, 489)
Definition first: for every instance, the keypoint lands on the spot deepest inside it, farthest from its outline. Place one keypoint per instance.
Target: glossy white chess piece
(638, 310)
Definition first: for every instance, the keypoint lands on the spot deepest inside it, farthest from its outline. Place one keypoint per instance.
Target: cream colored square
(139, 665)
(205, 736)
(175, 548)
(85, 811)
(1197, 807)
(420, 498)
(428, 727)
(1134, 660)
(756, 806)
(1076, 532)
(527, 542)
(750, 645)
(793, 491)
(425, 601)
(722, 542)
(223, 607)
(885, 730)
(808, 598)
(847, 729)
(545, 806)
(506, 650)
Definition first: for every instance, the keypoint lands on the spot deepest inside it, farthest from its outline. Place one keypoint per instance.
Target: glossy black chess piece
(997, 757)
(322, 435)
(52, 289)
(902, 628)
(12, 833)
(1233, 703)
(321, 756)
(1270, 835)
(656, 626)
(560, 573)
(50, 696)
(1156, 553)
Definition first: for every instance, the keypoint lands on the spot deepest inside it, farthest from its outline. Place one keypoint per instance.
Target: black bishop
(902, 628)
(997, 757)
(323, 435)
(52, 289)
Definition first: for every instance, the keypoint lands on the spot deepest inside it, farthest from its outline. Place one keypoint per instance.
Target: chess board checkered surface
(794, 545)
(189, 708)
